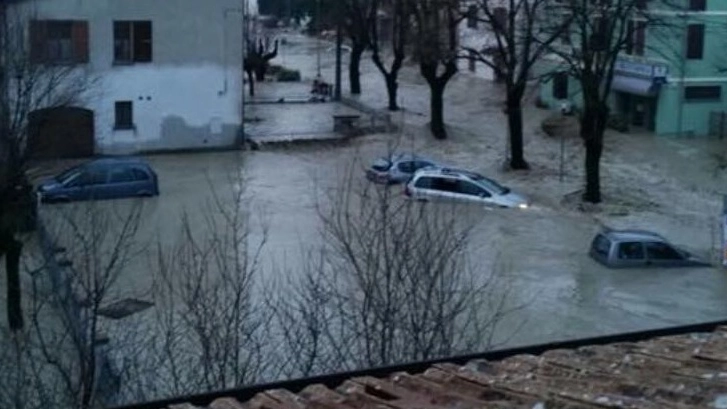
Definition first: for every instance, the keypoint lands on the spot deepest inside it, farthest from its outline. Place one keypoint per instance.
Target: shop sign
(641, 69)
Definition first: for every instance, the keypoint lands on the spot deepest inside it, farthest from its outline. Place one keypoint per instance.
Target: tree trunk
(437, 110)
(594, 148)
(515, 125)
(13, 249)
(354, 73)
(392, 87)
(593, 126)
(251, 83)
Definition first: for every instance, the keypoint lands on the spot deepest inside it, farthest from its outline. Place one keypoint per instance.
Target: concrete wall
(188, 96)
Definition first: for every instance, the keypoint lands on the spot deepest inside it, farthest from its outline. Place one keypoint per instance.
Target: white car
(462, 186)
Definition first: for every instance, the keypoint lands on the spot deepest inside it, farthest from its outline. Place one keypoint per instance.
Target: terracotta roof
(677, 371)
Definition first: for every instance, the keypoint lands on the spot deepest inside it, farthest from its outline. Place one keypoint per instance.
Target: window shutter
(79, 35)
(38, 37)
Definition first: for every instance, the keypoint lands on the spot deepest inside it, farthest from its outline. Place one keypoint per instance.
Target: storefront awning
(644, 87)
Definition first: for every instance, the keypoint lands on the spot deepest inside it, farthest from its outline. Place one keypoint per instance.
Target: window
(140, 174)
(703, 93)
(406, 167)
(422, 164)
(424, 182)
(631, 251)
(697, 5)
(91, 177)
(601, 245)
(599, 36)
(58, 42)
(472, 17)
(661, 251)
(469, 188)
(124, 116)
(132, 41)
(636, 38)
(445, 185)
(695, 41)
(121, 175)
(499, 14)
(560, 85)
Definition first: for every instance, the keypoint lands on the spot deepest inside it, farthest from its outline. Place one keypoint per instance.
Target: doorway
(638, 110)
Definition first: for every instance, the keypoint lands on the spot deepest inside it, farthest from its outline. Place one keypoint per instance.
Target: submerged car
(108, 178)
(398, 168)
(464, 186)
(639, 248)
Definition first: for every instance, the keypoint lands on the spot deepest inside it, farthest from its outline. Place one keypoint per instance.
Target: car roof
(405, 156)
(117, 161)
(451, 172)
(633, 235)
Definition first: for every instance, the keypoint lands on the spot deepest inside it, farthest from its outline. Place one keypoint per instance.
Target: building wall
(188, 96)
(665, 45)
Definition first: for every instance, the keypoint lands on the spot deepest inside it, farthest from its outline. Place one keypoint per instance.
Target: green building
(671, 78)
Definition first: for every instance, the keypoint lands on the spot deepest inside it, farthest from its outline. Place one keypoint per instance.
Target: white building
(168, 72)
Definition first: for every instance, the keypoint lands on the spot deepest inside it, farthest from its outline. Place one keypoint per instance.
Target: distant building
(475, 35)
(671, 78)
(169, 72)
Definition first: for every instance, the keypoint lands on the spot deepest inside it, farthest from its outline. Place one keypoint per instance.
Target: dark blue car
(108, 178)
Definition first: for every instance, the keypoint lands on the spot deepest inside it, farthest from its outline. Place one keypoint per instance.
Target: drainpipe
(682, 73)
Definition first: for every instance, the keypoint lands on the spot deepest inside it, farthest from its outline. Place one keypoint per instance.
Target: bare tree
(26, 85)
(436, 45)
(520, 33)
(209, 330)
(60, 362)
(257, 59)
(601, 32)
(358, 16)
(399, 11)
(393, 282)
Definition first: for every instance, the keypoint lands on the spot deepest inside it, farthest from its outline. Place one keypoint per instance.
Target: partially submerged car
(639, 248)
(108, 178)
(446, 184)
(397, 168)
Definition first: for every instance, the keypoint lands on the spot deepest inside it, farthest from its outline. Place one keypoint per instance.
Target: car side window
(90, 177)
(661, 251)
(445, 185)
(406, 167)
(424, 182)
(140, 175)
(421, 164)
(631, 251)
(469, 188)
(121, 175)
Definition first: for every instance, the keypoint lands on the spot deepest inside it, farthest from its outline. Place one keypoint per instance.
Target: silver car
(639, 248)
(461, 185)
(398, 168)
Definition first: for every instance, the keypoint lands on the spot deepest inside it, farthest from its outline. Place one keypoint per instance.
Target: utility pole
(318, 38)
(339, 43)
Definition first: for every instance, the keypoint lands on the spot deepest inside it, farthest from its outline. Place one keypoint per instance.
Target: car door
(445, 189)
(471, 192)
(663, 255)
(629, 254)
(87, 185)
(123, 182)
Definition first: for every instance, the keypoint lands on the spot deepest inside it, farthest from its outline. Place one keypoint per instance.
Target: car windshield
(67, 175)
(490, 184)
(381, 164)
